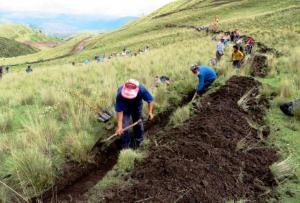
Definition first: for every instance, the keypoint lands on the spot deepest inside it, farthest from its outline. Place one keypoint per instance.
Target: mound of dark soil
(213, 157)
(259, 66)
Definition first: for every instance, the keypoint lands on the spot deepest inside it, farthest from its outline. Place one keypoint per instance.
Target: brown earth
(213, 157)
(42, 44)
(259, 66)
(80, 46)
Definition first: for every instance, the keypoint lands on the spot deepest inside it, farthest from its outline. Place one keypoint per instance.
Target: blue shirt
(205, 74)
(131, 105)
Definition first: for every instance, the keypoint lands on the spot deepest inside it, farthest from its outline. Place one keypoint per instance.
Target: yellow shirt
(237, 56)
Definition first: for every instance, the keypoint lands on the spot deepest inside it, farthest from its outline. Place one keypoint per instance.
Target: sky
(70, 16)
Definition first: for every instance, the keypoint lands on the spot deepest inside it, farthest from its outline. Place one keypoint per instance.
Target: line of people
(125, 52)
(239, 52)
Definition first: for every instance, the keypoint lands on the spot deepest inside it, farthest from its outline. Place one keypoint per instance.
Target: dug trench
(219, 154)
(76, 179)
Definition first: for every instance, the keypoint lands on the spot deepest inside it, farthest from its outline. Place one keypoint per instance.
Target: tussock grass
(6, 121)
(180, 115)
(127, 159)
(77, 145)
(49, 96)
(297, 110)
(286, 88)
(31, 169)
(285, 169)
(269, 91)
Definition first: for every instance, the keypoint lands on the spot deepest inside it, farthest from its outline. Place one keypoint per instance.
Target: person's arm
(119, 108)
(150, 100)
(200, 84)
(150, 110)
(119, 130)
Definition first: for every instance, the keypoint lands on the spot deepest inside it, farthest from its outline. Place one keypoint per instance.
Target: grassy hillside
(12, 48)
(43, 126)
(22, 33)
(61, 51)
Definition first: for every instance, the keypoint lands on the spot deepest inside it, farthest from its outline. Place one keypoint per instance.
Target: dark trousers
(236, 64)
(218, 56)
(206, 86)
(132, 138)
(249, 49)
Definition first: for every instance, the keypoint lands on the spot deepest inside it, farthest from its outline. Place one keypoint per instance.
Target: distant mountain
(65, 25)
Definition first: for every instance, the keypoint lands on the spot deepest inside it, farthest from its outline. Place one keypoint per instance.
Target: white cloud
(116, 8)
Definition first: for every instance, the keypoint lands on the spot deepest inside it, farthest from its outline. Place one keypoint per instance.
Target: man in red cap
(129, 105)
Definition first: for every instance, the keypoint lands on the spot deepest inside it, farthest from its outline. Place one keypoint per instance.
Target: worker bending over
(206, 77)
(129, 105)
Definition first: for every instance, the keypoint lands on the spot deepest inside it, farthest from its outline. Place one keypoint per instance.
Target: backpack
(288, 108)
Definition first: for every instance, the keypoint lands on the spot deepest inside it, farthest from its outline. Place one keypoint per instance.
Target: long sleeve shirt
(205, 74)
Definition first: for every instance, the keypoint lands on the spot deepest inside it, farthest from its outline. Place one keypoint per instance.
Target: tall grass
(286, 88)
(48, 119)
(48, 125)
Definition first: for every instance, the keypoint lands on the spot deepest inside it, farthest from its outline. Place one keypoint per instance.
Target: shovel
(100, 142)
(194, 97)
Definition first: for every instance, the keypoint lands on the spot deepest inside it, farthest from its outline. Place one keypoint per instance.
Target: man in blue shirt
(206, 77)
(129, 105)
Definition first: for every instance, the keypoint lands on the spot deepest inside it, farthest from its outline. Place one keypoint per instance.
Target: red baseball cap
(130, 89)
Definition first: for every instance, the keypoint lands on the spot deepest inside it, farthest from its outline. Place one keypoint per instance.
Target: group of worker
(129, 104)
(239, 52)
(7, 68)
(125, 52)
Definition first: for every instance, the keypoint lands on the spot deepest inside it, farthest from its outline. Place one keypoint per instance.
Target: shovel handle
(194, 97)
(114, 135)
(128, 127)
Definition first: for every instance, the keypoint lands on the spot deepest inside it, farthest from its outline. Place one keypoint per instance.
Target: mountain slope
(46, 126)
(12, 48)
(23, 34)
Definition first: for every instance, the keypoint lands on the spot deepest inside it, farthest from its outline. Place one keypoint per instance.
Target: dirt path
(80, 46)
(214, 157)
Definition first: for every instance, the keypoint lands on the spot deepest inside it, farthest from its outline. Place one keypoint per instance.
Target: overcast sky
(112, 8)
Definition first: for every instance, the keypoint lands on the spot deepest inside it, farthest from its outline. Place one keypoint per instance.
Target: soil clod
(259, 66)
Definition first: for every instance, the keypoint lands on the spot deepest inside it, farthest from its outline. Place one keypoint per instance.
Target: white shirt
(220, 47)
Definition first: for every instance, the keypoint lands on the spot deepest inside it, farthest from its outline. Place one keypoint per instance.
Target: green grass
(41, 116)
(12, 48)
(22, 33)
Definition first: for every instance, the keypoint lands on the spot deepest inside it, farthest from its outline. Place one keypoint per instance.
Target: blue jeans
(207, 84)
(132, 140)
